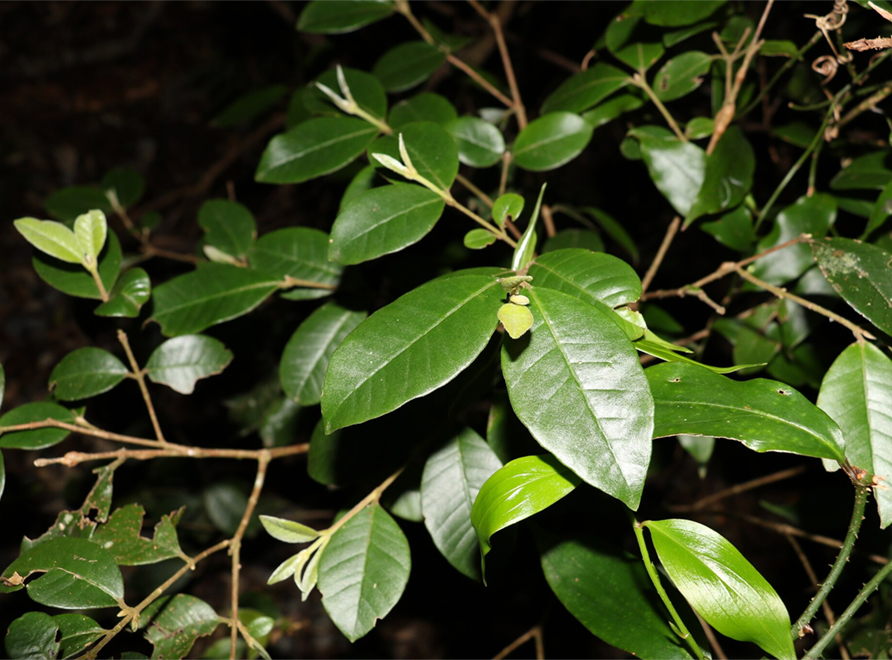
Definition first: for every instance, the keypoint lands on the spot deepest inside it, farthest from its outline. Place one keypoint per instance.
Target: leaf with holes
(86, 372)
(121, 537)
(181, 620)
(180, 362)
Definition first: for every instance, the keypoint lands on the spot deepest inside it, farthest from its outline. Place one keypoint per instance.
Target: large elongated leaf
(121, 537)
(859, 272)
(73, 279)
(38, 438)
(677, 168)
(182, 620)
(584, 90)
(301, 253)
(180, 362)
(407, 65)
(678, 13)
(729, 176)
(86, 372)
(327, 17)
(39, 635)
(363, 571)
(422, 107)
(551, 141)
(229, 226)
(857, 394)
(722, 586)
(764, 415)
(588, 275)
(452, 478)
(577, 385)
(383, 220)
(209, 295)
(129, 294)
(480, 144)
(411, 347)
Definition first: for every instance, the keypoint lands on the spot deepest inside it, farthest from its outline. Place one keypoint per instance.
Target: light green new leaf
(722, 586)
(507, 206)
(288, 531)
(592, 276)
(90, 229)
(86, 372)
(66, 204)
(422, 107)
(526, 246)
(365, 89)
(764, 415)
(857, 393)
(313, 148)
(551, 141)
(228, 226)
(577, 385)
(411, 347)
(859, 272)
(52, 238)
(248, 106)
(363, 571)
(128, 296)
(480, 144)
(325, 17)
(37, 438)
(728, 178)
(677, 168)
(76, 574)
(681, 75)
(182, 620)
(308, 351)
(209, 295)
(407, 65)
(383, 220)
(452, 478)
(73, 279)
(873, 171)
(477, 239)
(586, 89)
(518, 490)
(431, 148)
(121, 537)
(299, 252)
(180, 362)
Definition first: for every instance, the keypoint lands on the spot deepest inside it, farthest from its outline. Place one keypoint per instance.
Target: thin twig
(140, 376)
(467, 183)
(661, 253)
(548, 221)
(711, 638)
(745, 486)
(73, 458)
(503, 180)
(533, 633)
(639, 80)
(84, 430)
(496, 24)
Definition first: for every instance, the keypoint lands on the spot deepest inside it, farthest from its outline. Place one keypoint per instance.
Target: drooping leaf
(299, 252)
(728, 178)
(679, 13)
(52, 238)
(37, 438)
(676, 168)
(228, 226)
(551, 141)
(313, 148)
(592, 276)
(507, 207)
(480, 144)
(363, 571)
(209, 295)
(182, 620)
(132, 290)
(73, 279)
(872, 171)
(408, 64)
(670, 354)
(586, 89)
(681, 75)
(182, 361)
(91, 229)
(66, 204)
(577, 385)
(248, 106)
(121, 537)
(857, 393)
(321, 16)
(411, 347)
(365, 88)
(722, 586)
(288, 531)
(422, 107)
(86, 372)
(430, 146)
(764, 415)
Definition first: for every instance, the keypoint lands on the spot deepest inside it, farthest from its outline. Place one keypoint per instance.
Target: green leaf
(121, 537)
(225, 503)
(611, 109)
(432, 149)
(407, 65)
(52, 238)
(308, 351)
(880, 211)
(76, 574)
(73, 279)
(507, 206)
(33, 636)
(729, 176)
(228, 226)
(86, 372)
(383, 220)
(734, 230)
(677, 14)
(363, 571)
(209, 295)
(127, 184)
(681, 75)
(871, 171)
(526, 246)
(586, 89)
(181, 621)
(248, 106)
(857, 393)
(129, 294)
(411, 347)
(453, 476)
(477, 239)
(315, 147)
(764, 415)
(362, 182)
(699, 128)
(591, 276)
(722, 586)
(77, 632)
(574, 238)
(37, 438)
(551, 141)
(610, 226)
(591, 580)
(422, 107)
(480, 144)
(68, 203)
(669, 352)
(518, 490)
(577, 383)
(301, 253)
(677, 168)
(288, 531)
(2, 475)
(632, 43)
(365, 88)
(778, 48)
(91, 229)
(675, 37)
(182, 361)
(322, 16)
(859, 273)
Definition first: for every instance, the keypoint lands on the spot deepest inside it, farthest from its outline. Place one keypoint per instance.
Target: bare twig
(661, 253)
(711, 638)
(533, 633)
(140, 376)
(87, 430)
(743, 487)
(548, 221)
(73, 458)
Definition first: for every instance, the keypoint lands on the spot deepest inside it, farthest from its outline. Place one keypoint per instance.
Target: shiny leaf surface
(182, 361)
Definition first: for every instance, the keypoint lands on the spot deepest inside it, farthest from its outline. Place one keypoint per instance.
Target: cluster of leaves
(568, 366)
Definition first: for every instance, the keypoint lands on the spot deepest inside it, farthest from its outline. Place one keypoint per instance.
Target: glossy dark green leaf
(870, 172)
(480, 144)
(681, 75)
(477, 239)
(631, 42)
(248, 106)
(611, 109)
(566, 239)
(73, 279)
(365, 88)
(37, 438)
(411, 347)
(121, 537)
(228, 226)
(857, 394)
(676, 14)
(86, 372)
(453, 476)
(507, 207)
(577, 385)
(299, 252)
(592, 276)
(733, 230)
(407, 65)
(881, 210)
(363, 571)
(764, 415)
(33, 636)
(677, 168)
(728, 178)
(362, 182)
(209, 295)
(432, 149)
(322, 16)
(308, 351)
(181, 621)
(132, 290)
(551, 141)
(182, 361)
(586, 89)
(859, 272)
(722, 586)
(422, 107)
(313, 148)
(73, 574)
(66, 204)
(383, 220)
(76, 633)
(518, 490)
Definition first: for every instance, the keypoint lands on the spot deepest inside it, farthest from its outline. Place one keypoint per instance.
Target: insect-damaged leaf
(182, 620)
(121, 537)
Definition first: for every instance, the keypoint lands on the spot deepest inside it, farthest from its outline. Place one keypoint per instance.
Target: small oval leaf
(551, 141)
(180, 362)
(86, 372)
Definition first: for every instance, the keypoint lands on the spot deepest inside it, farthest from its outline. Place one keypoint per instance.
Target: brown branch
(467, 183)
(548, 220)
(73, 458)
(98, 433)
(661, 253)
(496, 24)
(140, 376)
(711, 638)
(533, 633)
(743, 487)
